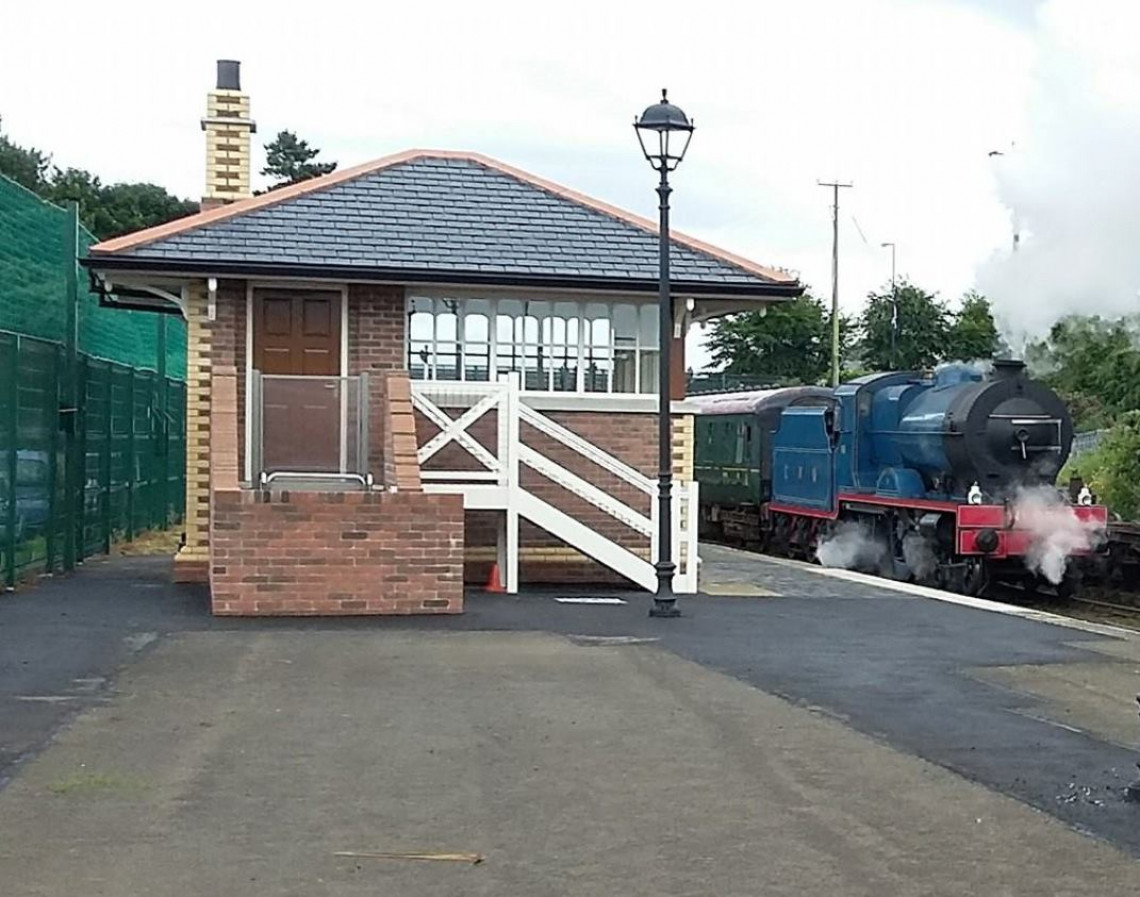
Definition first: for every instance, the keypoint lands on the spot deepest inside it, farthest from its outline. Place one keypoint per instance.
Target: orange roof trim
(253, 203)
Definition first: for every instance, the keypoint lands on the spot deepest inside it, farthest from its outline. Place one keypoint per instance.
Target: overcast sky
(906, 98)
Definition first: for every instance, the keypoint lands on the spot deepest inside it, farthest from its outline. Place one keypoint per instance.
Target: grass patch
(82, 783)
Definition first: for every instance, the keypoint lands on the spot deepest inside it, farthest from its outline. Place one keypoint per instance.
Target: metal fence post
(53, 464)
(79, 483)
(12, 419)
(68, 397)
(105, 458)
(130, 534)
(159, 436)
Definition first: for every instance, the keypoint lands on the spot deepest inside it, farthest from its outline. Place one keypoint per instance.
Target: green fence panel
(34, 257)
(9, 457)
(125, 439)
(92, 419)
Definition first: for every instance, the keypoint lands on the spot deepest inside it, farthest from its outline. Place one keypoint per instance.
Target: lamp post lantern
(894, 306)
(664, 132)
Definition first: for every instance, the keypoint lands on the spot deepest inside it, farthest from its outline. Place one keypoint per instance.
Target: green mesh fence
(35, 250)
(92, 441)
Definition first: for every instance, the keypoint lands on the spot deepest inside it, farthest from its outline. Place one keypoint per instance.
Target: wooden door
(298, 332)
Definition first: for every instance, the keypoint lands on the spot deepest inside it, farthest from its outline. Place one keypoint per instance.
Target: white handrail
(587, 449)
(585, 490)
(449, 431)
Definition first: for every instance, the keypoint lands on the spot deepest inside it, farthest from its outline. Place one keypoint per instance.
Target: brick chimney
(228, 128)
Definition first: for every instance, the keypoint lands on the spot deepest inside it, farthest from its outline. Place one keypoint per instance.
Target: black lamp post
(664, 132)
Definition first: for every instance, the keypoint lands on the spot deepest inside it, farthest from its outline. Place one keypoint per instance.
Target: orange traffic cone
(494, 581)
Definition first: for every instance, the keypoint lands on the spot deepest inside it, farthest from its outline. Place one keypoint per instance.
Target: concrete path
(815, 736)
(242, 762)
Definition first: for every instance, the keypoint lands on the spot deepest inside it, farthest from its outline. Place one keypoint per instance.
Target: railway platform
(795, 732)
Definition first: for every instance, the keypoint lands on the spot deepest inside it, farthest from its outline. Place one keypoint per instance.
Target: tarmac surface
(813, 735)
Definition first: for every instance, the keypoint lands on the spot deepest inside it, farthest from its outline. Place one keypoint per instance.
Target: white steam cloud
(1058, 533)
(1071, 180)
(851, 547)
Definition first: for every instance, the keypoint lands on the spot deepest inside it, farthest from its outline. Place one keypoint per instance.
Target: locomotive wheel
(968, 578)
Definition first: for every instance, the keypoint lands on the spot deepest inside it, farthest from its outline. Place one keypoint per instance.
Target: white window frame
(458, 304)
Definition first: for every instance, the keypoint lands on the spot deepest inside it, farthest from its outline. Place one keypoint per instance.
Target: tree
(1112, 470)
(25, 165)
(788, 341)
(973, 334)
(1094, 364)
(923, 329)
(289, 160)
(108, 211)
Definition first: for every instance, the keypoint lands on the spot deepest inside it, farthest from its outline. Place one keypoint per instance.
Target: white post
(509, 439)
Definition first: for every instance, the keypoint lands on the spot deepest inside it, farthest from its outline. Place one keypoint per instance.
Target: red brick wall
(228, 348)
(376, 321)
(318, 553)
(325, 553)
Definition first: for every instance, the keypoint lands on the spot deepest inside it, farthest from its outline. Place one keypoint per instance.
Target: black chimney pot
(229, 74)
(1008, 368)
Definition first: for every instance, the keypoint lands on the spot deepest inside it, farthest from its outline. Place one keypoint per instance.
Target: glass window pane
(625, 370)
(447, 361)
(565, 309)
(477, 361)
(538, 310)
(511, 308)
(649, 326)
(447, 327)
(420, 326)
(506, 329)
(598, 310)
(475, 328)
(649, 371)
(477, 307)
(419, 359)
(420, 304)
(530, 330)
(625, 322)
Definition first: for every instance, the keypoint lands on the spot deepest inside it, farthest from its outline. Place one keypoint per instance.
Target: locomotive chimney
(1008, 369)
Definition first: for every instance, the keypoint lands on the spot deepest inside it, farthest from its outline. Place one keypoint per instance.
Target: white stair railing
(496, 485)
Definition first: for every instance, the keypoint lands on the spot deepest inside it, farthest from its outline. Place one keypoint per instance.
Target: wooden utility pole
(834, 185)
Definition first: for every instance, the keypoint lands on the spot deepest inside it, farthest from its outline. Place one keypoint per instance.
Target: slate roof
(443, 213)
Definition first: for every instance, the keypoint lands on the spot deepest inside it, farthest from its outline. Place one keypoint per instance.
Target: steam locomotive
(947, 479)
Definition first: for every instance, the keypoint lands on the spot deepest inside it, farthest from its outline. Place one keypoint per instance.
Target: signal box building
(403, 373)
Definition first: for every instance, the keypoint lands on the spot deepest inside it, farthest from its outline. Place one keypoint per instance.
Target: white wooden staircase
(493, 483)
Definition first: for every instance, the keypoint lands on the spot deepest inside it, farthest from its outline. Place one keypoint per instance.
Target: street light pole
(663, 124)
(894, 308)
(665, 603)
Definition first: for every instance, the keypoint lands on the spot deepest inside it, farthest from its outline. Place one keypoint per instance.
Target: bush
(1112, 470)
